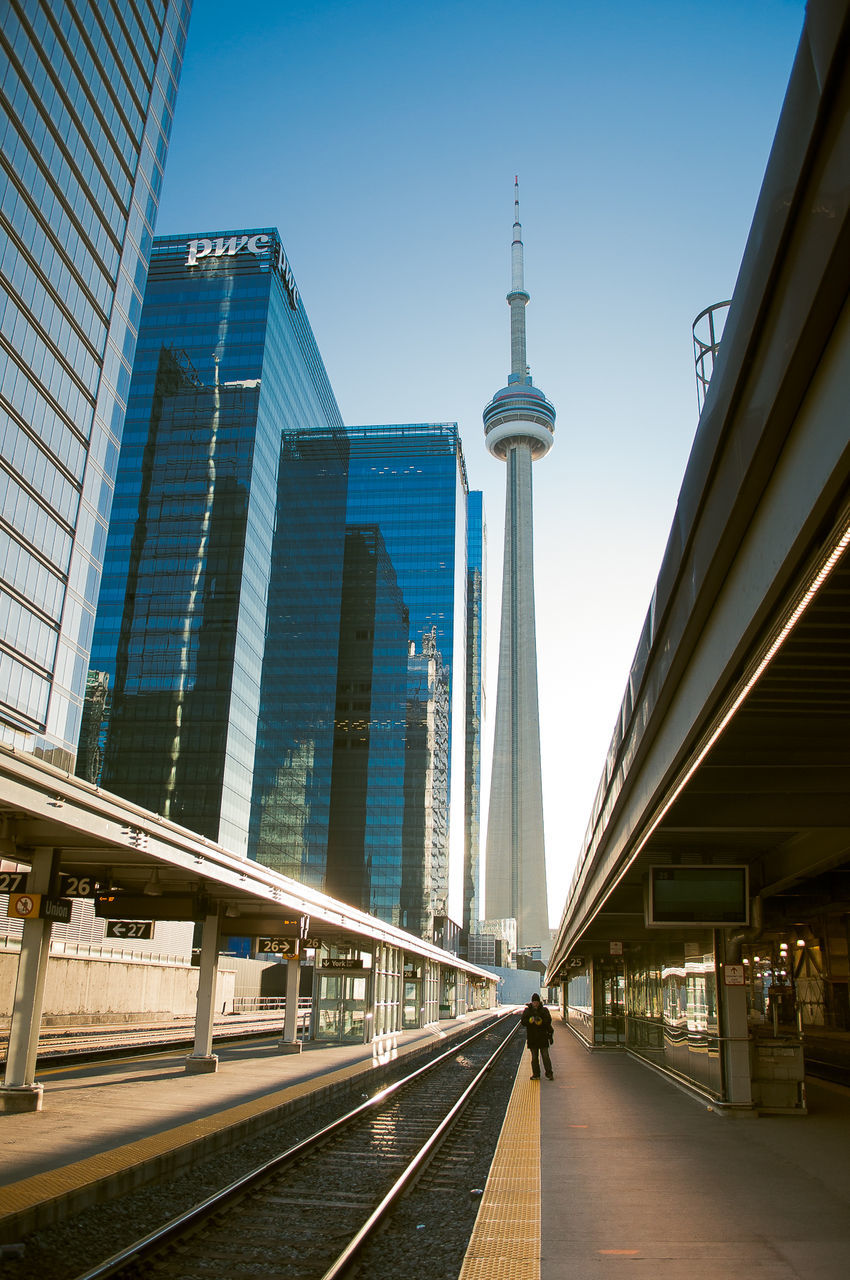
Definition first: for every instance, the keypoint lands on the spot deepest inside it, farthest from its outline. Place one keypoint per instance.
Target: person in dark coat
(537, 1021)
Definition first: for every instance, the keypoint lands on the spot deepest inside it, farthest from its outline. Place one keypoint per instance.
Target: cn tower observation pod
(519, 413)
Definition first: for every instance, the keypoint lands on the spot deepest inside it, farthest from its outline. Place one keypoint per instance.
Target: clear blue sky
(383, 138)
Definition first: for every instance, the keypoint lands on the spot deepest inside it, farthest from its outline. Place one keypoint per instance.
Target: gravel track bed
(429, 1231)
(68, 1249)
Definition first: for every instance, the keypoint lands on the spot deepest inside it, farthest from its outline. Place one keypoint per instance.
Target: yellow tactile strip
(38, 1200)
(43, 1190)
(505, 1243)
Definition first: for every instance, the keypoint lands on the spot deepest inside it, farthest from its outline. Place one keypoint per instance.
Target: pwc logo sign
(229, 246)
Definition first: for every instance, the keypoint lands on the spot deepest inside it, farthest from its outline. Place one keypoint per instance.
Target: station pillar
(735, 1031)
(20, 1091)
(202, 1059)
(289, 1042)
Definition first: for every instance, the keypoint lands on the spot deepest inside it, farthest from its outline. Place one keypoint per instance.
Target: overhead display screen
(712, 896)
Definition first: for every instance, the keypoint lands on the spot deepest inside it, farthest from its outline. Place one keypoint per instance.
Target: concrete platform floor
(104, 1126)
(640, 1180)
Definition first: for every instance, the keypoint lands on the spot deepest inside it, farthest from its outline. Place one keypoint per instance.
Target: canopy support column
(289, 1042)
(202, 1058)
(20, 1091)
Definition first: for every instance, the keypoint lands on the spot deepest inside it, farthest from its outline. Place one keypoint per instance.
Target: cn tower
(519, 428)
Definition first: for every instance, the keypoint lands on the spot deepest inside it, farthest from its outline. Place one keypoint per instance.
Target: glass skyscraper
(224, 524)
(409, 483)
(411, 480)
(476, 607)
(280, 653)
(88, 94)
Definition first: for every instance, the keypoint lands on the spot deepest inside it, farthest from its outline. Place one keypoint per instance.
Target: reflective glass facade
(87, 94)
(290, 809)
(367, 782)
(425, 835)
(215, 524)
(407, 484)
(411, 480)
(476, 604)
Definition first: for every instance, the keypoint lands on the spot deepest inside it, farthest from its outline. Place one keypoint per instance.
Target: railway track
(308, 1212)
(834, 1072)
(75, 1044)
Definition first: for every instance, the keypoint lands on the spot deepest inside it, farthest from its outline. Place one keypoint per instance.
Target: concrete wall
(98, 988)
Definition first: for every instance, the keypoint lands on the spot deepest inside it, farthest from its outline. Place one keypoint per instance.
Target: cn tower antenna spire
(518, 299)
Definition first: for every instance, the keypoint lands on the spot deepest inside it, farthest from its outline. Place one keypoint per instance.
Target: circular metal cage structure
(707, 331)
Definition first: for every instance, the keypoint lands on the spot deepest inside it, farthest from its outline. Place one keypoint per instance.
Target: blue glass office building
(409, 482)
(224, 523)
(364, 865)
(476, 608)
(87, 94)
(280, 656)
(290, 810)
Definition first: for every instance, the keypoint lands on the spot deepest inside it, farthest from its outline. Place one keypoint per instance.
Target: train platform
(110, 1126)
(611, 1170)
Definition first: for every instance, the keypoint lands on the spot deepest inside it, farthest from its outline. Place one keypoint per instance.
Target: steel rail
(186, 1222)
(415, 1167)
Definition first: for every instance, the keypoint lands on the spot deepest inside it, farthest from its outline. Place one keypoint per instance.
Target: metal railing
(268, 1004)
(100, 951)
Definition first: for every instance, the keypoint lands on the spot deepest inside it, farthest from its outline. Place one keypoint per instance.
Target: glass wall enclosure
(358, 996)
(431, 993)
(478, 994)
(343, 996)
(660, 1001)
(449, 994)
(595, 1002)
(672, 1010)
(578, 1001)
(387, 983)
(413, 1006)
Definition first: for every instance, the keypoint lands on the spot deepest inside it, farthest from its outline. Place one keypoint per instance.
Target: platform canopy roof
(165, 870)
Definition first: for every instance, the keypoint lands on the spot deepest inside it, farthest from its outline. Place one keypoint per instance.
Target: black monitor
(709, 896)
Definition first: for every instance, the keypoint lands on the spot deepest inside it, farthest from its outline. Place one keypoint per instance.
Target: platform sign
(138, 906)
(277, 947)
(13, 881)
(57, 909)
(312, 944)
(71, 886)
(350, 963)
(129, 929)
(38, 906)
(24, 906)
